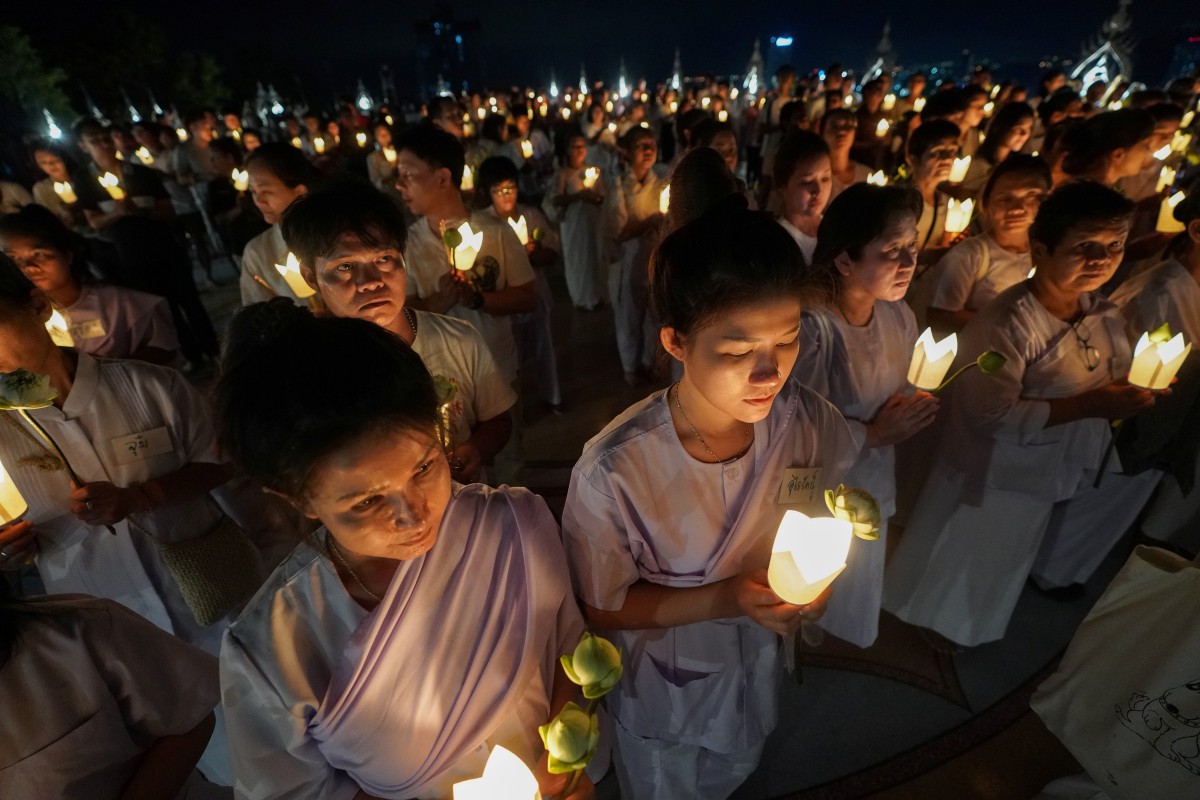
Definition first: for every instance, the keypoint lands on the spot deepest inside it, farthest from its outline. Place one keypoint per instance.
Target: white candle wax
(931, 360)
(807, 555)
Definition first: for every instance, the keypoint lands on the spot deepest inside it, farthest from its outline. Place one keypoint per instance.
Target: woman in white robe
(279, 174)
(1170, 293)
(100, 319)
(803, 179)
(575, 207)
(673, 507)
(1011, 493)
(417, 629)
(854, 352)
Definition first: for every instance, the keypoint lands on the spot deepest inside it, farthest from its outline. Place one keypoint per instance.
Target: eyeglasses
(504, 191)
(1091, 356)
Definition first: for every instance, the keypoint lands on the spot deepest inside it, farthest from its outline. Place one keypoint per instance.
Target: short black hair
(724, 259)
(194, 116)
(1097, 136)
(940, 105)
(312, 225)
(856, 217)
(973, 91)
(227, 147)
(700, 181)
(1056, 103)
(1166, 112)
(279, 423)
(435, 147)
(87, 125)
(43, 225)
(496, 169)
(1076, 204)
(708, 130)
(929, 134)
(16, 290)
(1008, 117)
(795, 147)
(285, 162)
(1018, 164)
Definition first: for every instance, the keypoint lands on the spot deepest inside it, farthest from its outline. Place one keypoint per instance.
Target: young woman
(635, 218)
(1109, 146)
(1009, 131)
(838, 128)
(978, 268)
(102, 320)
(279, 174)
(498, 182)
(931, 150)
(422, 624)
(58, 167)
(855, 351)
(576, 208)
(381, 169)
(805, 181)
(672, 509)
(1021, 447)
(231, 211)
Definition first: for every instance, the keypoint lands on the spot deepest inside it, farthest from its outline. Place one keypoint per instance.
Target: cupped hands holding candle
(1157, 358)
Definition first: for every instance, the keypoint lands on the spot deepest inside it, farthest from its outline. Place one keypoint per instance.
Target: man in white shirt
(350, 242)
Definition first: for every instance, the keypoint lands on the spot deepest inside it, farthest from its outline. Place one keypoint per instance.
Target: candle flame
(526, 148)
(664, 199)
(919, 105)
(241, 179)
(361, 138)
(520, 228)
(877, 178)
(882, 128)
(144, 156)
(390, 154)
(465, 253)
(806, 556)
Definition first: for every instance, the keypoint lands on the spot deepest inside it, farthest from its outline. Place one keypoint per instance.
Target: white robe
(806, 243)
(973, 272)
(637, 334)
(640, 508)
(1000, 473)
(858, 369)
(259, 258)
(583, 238)
(115, 322)
(288, 658)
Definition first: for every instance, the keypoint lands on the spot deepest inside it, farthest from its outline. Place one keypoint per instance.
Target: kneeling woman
(420, 626)
(673, 508)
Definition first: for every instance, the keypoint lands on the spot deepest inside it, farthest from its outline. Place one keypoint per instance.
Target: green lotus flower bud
(1161, 334)
(856, 506)
(570, 739)
(595, 665)
(23, 389)
(452, 237)
(990, 362)
(537, 235)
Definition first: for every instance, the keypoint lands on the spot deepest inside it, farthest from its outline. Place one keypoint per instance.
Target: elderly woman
(1011, 492)
(420, 625)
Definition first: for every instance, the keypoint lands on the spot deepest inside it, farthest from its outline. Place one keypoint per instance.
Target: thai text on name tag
(800, 485)
(140, 446)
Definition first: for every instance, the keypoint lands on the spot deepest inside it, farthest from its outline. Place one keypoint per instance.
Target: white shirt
(501, 263)
(453, 349)
(974, 271)
(1166, 292)
(259, 258)
(807, 244)
(115, 322)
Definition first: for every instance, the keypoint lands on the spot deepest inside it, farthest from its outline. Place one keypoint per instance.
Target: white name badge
(89, 329)
(140, 446)
(800, 485)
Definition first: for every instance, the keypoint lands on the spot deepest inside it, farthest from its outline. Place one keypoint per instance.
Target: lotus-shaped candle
(520, 228)
(664, 200)
(958, 215)
(60, 332)
(241, 179)
(12, 504)
(931, 360)
(958, 172)
(1166, 214)
(464, 245)
(877, 178)
(65, 192)
(808, 554)
(295, 281)
(505, 777)
(1157, 357)
(468, 179)
(112, 184)
(590, 176)
(881, 128)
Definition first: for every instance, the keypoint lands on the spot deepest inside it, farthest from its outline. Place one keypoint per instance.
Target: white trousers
(655, 769)
(853, 611)
(637, 335)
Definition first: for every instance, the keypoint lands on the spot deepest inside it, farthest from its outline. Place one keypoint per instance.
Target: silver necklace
(337, 553)
(704, 444)
(411, 319)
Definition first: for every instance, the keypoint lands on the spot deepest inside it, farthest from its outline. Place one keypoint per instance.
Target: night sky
(331, 42)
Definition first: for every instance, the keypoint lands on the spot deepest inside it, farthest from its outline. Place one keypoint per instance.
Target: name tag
(800, 485)
(140, 446)
(89, 329)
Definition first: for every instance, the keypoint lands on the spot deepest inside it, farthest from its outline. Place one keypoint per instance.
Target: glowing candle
(241, 179)
(959, 171)
(931, 360)
(468, 179)
(705, 102)
(60, 332)
(722, 116)
(566, 113)
(468, 249)
(1180, 142)
(995, 91)
(1187, 120)
(390, 154)
(526, 148)
(1156, 362)
(296, 143)
(590, 176)
(612, 127)
(65, 192)
(877, 178)
(1163, 153)
(520, 228)
(388, 119)
(1166, 179)
(319, 144)
(182, 134)
(882, 128)
(295, 281)
(889, 102)
(144, 156)
(113, 185)
(543, 109)
(1166, 215)
(361, 138)
(807, 555)
(12, 504)
(674, 106)
(609, 106)
(988, 108)
(919, 105)
(481, 113)
(958, 215)
(664, 199)
(505, 777)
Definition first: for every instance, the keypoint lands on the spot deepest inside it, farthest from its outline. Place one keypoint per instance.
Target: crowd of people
(337, 528)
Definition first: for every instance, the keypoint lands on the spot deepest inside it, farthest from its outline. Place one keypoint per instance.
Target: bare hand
(1117, 401)
(465, 463)
(18, 543)
(759, 602)
(901, 417)
(101, 503)
(446, 297)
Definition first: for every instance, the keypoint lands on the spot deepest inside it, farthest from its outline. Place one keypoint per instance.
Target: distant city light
(781, 41)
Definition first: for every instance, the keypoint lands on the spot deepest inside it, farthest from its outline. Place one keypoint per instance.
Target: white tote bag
(1126, 698)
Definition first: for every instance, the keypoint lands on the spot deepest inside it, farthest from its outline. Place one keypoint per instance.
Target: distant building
(446, 53)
